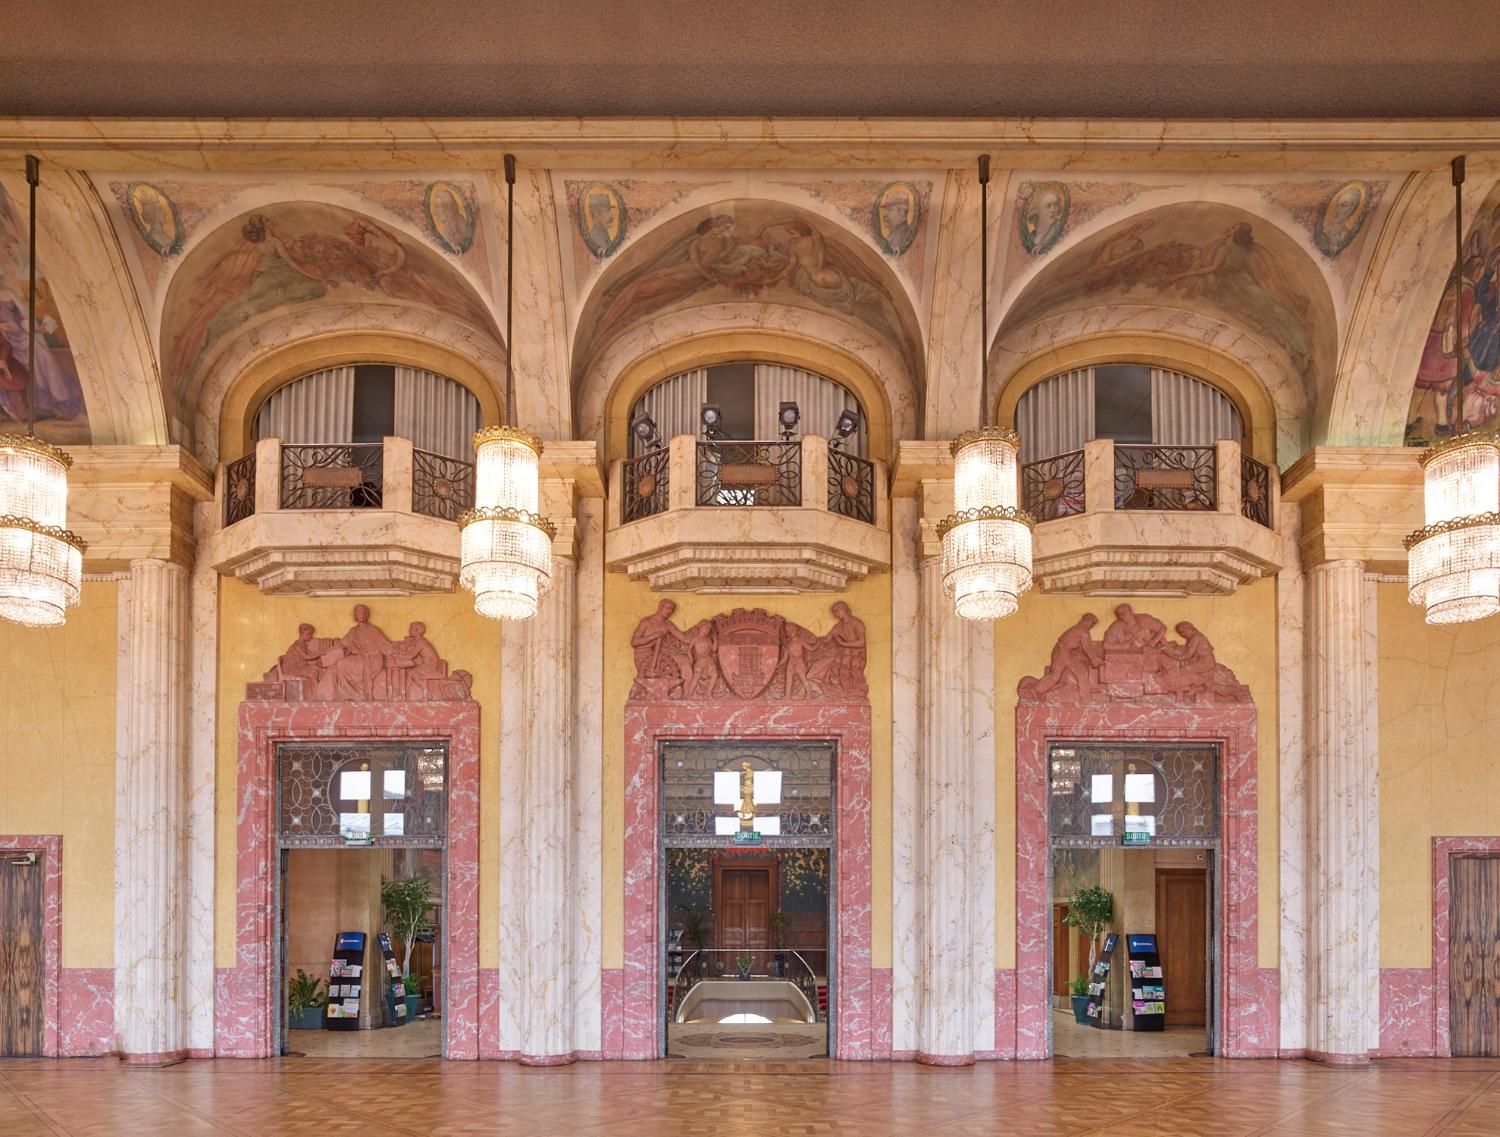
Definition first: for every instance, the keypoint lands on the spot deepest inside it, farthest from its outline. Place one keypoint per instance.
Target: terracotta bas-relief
(364, 664)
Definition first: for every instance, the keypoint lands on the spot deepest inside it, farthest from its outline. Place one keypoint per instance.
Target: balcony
(748, 516)
(351, 519)
(1165, 520)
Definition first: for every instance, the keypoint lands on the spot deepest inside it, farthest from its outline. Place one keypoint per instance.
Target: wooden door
(744, 896)
(1182, 939)
(1062, 966)
(21, 955)
(1474, 957)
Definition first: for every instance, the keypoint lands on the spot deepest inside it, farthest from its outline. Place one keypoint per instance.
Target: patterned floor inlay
(1164, 1097)
(783, 1041)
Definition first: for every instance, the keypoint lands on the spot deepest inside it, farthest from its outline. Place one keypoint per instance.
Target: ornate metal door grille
(1175, 787)
(805, 812)
(407, 804)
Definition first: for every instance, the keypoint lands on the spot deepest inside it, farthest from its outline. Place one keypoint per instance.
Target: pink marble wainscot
(648, 723)
(1249, 998)
(245, 995)
(1407, 1023)
(48, 849)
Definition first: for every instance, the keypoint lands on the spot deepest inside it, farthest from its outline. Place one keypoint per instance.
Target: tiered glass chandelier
(987, 539)
(41, 563)
(505, 551)
(1453, 562)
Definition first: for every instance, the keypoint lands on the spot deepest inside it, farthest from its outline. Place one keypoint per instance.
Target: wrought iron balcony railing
(750, 473)
(1255, 490)
(239, 489)
(1165, 477)
(851, 486)
(1053, 487)
(331, 477)
(647, 480)
(440, 486)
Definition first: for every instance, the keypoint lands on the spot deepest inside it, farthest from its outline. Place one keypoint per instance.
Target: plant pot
(412, 1003)
(308, 1018)
(1080, 1009)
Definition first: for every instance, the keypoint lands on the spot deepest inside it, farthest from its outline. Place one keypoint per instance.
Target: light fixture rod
(33, 178)
(984, 289)
(1461, 327)
(510, 284)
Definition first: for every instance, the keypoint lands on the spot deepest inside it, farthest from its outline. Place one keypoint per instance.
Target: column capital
(1358, 504)
(132, 502)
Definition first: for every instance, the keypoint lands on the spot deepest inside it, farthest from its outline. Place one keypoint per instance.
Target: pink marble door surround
(1137, 685)
(245, 1010)
(1414, 1001)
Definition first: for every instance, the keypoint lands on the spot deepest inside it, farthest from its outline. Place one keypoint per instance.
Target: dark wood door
(21, 955)
(1182, 938)
(1474, 957)
(743, 901)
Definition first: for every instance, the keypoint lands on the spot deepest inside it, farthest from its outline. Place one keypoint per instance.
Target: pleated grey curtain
(317, 409)
(1057, 415)
(1188, 412)
(673, 405)
(436, 413)
(820, 400)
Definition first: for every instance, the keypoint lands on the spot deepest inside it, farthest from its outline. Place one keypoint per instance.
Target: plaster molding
(1357, 503)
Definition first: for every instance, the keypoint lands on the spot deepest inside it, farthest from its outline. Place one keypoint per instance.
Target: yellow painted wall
(255, 629)
(1439, 758)
(1242, 628)
(57, 759)
(625, 602)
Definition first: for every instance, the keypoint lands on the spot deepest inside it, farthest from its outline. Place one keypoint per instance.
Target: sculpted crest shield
(749, 650)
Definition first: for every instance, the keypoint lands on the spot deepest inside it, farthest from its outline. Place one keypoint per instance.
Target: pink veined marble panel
(1442, 850)
(245, 1011)
(86, 1012)
(611, 1003)
(49, 853)
(880, 1012)
(1005, 1014)
(1407, 1027)
(647, 725)
(489, 1013)
(1248, 1026)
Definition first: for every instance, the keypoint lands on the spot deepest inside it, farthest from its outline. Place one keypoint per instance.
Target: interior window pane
(1122, 402)
(1103, 788)
(354, 785)
(395, 784)
(1140, 787)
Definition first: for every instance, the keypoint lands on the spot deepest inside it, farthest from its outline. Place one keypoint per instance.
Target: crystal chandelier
(987, 539)
(505, 550)
(41, 563)
(1453, 562)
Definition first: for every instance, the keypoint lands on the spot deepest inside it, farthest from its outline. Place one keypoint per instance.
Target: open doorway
(747, 896)
(1132, 869)
(361, 899)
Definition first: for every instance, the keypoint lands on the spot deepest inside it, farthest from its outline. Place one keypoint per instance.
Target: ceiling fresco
(749, 250)
(61, 415)
(1199, 256)
(1433, 415)
(283, 256)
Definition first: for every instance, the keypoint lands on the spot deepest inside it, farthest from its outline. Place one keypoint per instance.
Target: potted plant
(1078, 994)
(696, 925)
(777, 922)
(1090, 911)
(743, 963)
(304, 999)
(406, 901)
(412, 985)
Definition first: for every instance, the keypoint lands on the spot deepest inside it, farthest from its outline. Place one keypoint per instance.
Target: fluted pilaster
(150, 826)
(1343, 853)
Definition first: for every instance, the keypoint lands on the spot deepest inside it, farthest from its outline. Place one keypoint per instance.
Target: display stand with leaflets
(395, 990)
(1099, 978)
(1148, 992)
(345, 979)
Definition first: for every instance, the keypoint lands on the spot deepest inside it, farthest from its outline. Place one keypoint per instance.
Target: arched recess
(270, 369)
(291, 271)
(734, 263)
(1193, 270)
(1410, 275)
(1196, 357)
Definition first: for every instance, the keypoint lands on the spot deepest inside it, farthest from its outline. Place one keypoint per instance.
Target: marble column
(956, 792)
(1343, 837)
(151, 819)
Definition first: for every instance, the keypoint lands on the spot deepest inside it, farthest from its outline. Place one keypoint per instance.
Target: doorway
(361, 899)
(1134, 842)
(22, 955)
(1474, 956)
(747, 897)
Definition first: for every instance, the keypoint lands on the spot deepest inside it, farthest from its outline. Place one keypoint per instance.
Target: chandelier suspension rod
(984, 289)
(510, 285)
(33, 177)
(1460, 328)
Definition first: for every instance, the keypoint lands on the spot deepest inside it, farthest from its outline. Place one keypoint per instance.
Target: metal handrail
(809, 989)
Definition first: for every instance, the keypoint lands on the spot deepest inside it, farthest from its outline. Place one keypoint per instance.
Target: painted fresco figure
(1075, 656)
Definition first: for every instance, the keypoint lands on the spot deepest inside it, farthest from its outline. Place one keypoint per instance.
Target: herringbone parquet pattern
(397, 1098)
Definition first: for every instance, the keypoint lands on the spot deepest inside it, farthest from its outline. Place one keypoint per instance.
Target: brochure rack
(1148, 990)
(395, 990)
(1099, 978)
(345, 979)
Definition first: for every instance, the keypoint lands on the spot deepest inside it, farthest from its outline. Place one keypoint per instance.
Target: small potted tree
(304, 999)
(407, 901)
(1090, 911)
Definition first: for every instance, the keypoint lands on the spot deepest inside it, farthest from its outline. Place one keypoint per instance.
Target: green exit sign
(744, 837)
(1137, 838)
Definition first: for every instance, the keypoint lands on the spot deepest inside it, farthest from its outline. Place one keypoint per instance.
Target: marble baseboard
(86, 1012)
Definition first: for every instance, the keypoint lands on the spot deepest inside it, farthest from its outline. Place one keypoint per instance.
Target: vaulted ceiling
(1092, 58)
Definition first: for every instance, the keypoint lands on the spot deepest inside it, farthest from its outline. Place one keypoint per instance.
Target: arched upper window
(749, 397)
(368, 401)
(1127, 402)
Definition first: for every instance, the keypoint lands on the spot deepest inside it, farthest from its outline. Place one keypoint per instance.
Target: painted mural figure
(1044, 216)
(896, 217)
(1075, 657)
(1342, 217)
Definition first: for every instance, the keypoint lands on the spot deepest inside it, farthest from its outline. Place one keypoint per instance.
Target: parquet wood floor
(307, 1097)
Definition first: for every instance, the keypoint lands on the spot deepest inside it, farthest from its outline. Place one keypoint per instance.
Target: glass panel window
(392, 793)
(790, 786)
(1169, 793)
